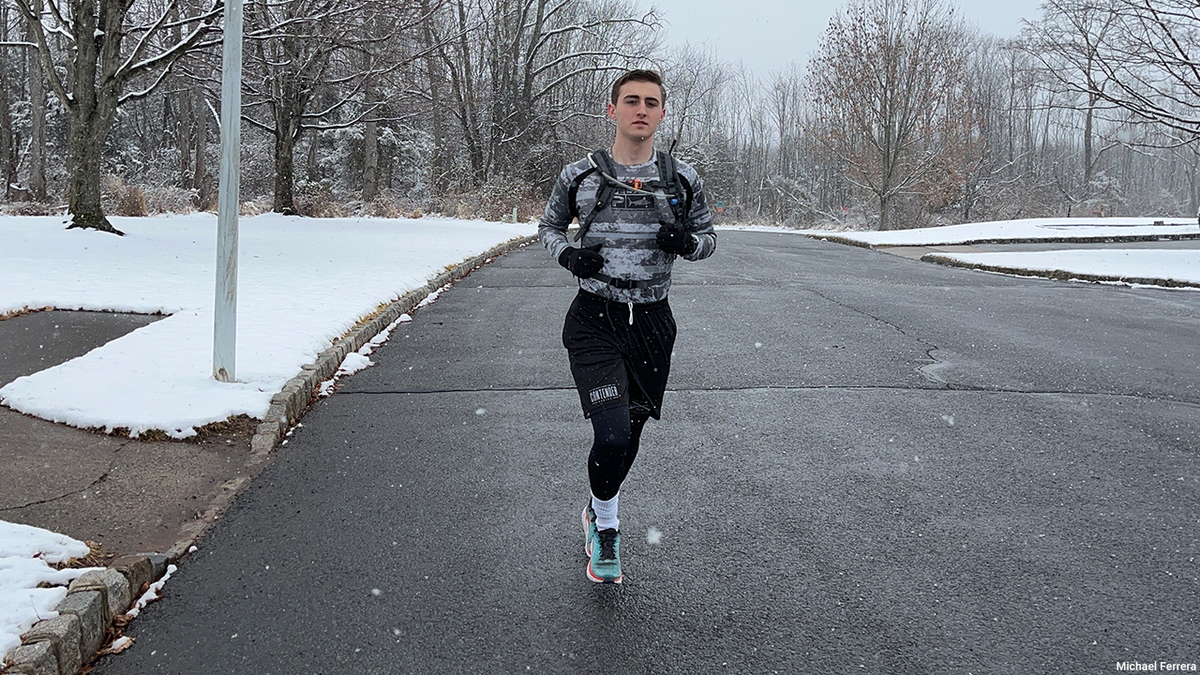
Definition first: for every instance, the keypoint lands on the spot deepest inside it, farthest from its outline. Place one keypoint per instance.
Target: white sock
(606, 513)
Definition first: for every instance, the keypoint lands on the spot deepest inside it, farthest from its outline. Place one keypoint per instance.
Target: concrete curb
(69, 642)
(1060, 275)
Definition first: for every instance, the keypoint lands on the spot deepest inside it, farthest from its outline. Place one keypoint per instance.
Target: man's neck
(631, 153)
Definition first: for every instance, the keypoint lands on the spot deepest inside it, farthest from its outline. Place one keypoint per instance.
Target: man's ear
(612, 111)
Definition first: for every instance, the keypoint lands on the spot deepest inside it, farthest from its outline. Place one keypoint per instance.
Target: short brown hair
(639, 75)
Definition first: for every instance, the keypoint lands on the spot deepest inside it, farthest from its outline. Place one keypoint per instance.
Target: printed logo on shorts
(606, 393)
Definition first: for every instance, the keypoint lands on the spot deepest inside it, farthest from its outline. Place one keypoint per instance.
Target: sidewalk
(128, 496)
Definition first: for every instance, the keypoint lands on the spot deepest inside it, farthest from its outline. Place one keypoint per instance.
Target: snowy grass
(1031, 230)
(302, 284)
(1169, 267)
(26, 555)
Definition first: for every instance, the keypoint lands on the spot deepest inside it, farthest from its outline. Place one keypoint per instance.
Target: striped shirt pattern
(626, 229)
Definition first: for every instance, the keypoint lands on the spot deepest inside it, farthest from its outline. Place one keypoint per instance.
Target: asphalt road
(866, 464)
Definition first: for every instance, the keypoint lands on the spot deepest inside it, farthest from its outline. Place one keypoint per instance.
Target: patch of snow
(154, 592)
(1178, 265)
(1030, 229)
(25, 557)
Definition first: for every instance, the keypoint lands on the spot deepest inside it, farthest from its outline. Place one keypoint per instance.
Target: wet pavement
(866, 464)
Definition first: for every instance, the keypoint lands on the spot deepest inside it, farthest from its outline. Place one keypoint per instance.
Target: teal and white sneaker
(589, 528)
(604, 561)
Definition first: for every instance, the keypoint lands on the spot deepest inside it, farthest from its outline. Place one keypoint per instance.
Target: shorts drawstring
(609, 304)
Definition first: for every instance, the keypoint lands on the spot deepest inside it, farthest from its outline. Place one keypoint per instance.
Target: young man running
(638, 210)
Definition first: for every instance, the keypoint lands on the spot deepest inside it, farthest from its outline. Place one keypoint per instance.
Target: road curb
(1057, 274)
(69, 642)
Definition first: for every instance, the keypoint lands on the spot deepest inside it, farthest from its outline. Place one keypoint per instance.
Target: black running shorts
(615, 363)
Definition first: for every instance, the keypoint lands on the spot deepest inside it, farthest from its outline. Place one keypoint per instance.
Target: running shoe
(604, 562)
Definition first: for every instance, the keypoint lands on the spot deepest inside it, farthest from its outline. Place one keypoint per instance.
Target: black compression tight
(618, 433)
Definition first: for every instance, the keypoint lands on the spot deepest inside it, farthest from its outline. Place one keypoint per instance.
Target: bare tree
(8, 168)
(884, 84)
(1068, 41)
(97, 65)
(1149, 59)
(305, 52)
(525, 77)
(36, 184)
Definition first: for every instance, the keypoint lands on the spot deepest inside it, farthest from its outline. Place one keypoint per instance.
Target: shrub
(120, 199)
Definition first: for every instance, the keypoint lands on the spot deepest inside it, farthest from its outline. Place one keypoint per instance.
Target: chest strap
(631, 283)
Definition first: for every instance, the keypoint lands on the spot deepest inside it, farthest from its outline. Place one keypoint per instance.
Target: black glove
(583, 262)
(672, 238)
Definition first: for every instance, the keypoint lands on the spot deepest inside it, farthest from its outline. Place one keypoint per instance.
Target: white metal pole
(225, 308)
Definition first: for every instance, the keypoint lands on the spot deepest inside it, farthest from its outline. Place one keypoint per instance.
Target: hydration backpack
(676, 188)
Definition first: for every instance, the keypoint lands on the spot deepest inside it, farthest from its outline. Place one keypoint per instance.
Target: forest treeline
(904, 116)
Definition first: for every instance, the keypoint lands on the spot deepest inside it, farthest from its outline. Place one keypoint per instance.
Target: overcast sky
(769, 34)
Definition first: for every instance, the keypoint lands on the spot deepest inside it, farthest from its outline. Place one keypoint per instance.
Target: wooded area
(905, 116)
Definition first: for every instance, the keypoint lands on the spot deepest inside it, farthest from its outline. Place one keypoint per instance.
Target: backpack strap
(573, 191)
(677, 188)
(602, 165)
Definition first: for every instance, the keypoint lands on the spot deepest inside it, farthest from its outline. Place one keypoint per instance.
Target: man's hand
(582, 262)
(672, 238)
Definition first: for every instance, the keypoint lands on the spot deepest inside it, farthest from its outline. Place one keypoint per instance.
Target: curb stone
(1059, 275)
(65, 644)
(69, 642)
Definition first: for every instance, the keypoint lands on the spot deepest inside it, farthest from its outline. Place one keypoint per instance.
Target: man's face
(638, 110)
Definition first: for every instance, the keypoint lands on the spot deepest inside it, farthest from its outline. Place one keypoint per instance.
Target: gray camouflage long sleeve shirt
(627, 229)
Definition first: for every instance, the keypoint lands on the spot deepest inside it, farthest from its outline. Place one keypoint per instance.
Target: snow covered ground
(302, 284)
(1113, 261)
(25, 557)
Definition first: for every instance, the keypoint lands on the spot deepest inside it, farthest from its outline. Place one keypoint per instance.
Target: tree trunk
(438, 183)
(85, 137)
(1193, 198)
(184, 104)
(90, 114)
(37, 124)
(1087, 144)
(370, 175)
(885, 215)
(7, 165)
(285, 146)
(201, 180)
(310, 163)
(370, 190)
(467, 98)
